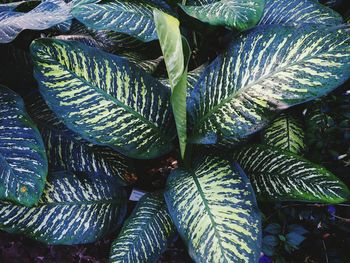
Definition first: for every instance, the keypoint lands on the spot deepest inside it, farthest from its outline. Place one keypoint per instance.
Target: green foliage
(285, 132)
(176, 56)
(23, 162)
(262, 72)
(132, 17)
(96, 88)
(71, 210)
(280, 175)
(146, 232)
(275, 239)
(47, 14)
(240, 14)
(123, 79)
(214, 209)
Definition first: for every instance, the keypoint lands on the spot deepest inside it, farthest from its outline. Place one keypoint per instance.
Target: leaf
(240, 14)
(297, 229)
(170, 40)
(285, 132)
(68, 151)
(104, 98)
(214, 209)
(262, 72)
(149, 66)
(270, 240)
(71, 211)
(176, 52)
(294, 239)
(23, 163)
(132, 17)
(283, 176)
(298, 12)
(273, 229)
(146, 232)
(47, 14)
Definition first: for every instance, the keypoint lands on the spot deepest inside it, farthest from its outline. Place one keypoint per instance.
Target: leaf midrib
(206, 205)
(241, 90)
(116, 101)
(82, 203)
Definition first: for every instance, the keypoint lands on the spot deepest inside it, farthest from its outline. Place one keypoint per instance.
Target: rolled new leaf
(146, 232)
(47, 14)
(104, 98)
(239, 14)
(285, 132)
(262, 72)
(282, 176)
(176, 52)
(23, 162)
(72, 210)
(214, 209)
(298, 12)
(67, 151)
(132, 17)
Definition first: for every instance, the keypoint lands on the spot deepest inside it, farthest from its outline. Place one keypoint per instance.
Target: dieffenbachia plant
(123, 81)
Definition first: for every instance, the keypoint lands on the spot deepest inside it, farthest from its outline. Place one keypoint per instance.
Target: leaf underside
(130, 17)
(47, 14)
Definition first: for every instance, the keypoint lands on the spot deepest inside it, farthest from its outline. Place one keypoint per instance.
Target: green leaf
(148, 65)
(23, 162)
(262, 72)
(297, 12)
(176, 52)
(170, 41)
(240, 14)
(47, 14)
(285, 132)
(132, 17)
(273, 229)
(270, 240)
(104, 98)
(294, 239)
(67, 151)
(283, 176)
(214, 209)
(146, 232)
(71, 211)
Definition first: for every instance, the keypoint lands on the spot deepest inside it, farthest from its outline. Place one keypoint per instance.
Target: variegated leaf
(262, 72)
(279, 175)
(67, 151)
(23, 162)
(149, 66)
(104, 98)
(240, 14)
(214, 209)
(285, 132)
(47, 14)
(146, 232)
(132, 17)
(71, 211)
(298, 12)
